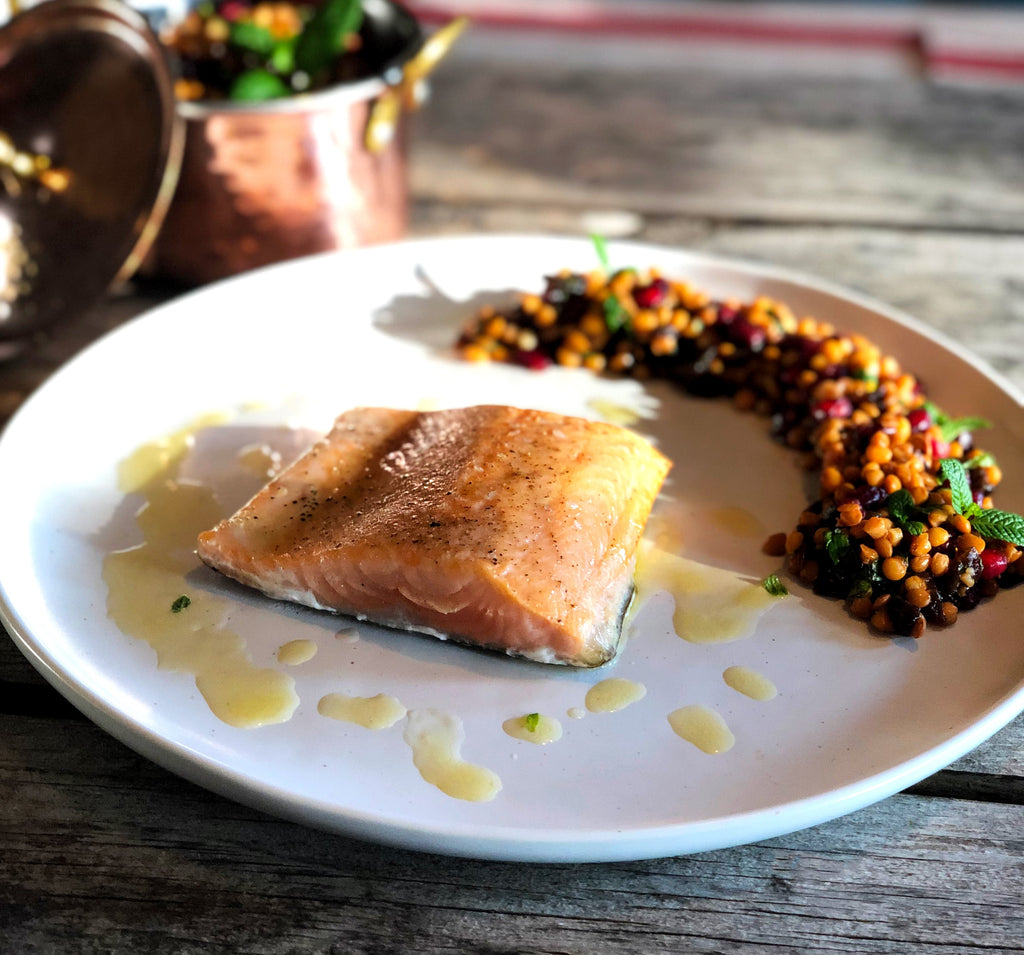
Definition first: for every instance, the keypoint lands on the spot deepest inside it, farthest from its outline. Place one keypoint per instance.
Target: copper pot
(265, 182)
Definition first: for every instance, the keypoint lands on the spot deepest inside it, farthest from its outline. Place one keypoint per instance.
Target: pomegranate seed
(233, 10)
(727, 314)
(832, 408)
(868, 496)
(651, 296)
(939, 449)
(993, 563)
(807, 347)
(535, 360)
(919, 420)
(743, 332)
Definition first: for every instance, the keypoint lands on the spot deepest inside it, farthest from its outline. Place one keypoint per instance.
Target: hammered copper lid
(90, 147)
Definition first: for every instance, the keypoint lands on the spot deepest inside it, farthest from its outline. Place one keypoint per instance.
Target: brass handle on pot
(407, 93)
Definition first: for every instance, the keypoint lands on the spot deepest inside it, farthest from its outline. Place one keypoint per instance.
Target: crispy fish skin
(495, 526)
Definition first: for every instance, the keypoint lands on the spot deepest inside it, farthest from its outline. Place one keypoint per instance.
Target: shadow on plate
(435, 318)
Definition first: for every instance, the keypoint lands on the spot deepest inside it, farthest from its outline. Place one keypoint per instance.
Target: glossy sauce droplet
(613, 413)
(145, 581)
(665, 528)
(161, 458)
(260, 459)
(610, 696)
(372, 712)
(296, 651)
(436, 740)
(712, 605)
(703, 727)
(738, 521)
(750, 683)
(547, 730)
(576, 712)
(347, 636)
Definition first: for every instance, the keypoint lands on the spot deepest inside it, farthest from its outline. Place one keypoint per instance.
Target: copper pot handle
(407, 93)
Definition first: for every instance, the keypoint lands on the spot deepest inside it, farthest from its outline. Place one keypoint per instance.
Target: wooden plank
(103, 851)
(14, 668)
(720, 144)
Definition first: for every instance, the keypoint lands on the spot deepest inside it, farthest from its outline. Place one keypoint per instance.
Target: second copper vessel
(265, 182)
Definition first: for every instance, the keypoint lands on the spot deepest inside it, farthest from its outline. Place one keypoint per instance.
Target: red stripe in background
(975, 63)
(683, 27)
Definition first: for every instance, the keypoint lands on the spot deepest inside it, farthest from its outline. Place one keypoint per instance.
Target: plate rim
(474, 840)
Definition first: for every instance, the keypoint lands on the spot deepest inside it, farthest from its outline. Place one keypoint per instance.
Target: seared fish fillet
(509, 529)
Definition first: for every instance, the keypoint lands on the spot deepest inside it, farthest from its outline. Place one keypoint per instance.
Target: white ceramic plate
(858, 717)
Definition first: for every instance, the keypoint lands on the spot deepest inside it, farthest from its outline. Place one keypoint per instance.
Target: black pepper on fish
(904, 528)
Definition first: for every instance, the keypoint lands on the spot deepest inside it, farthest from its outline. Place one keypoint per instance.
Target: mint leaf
(255, 86)
(983, 460)
(615, 316)
(861, 588)
(902, 509)
(282, 57)
(323, 38)
(531, 721)
(950, 428)
(250, 36)
(181, 603)
(999, 525)
(836, 544)
(869, 373)
(953, 471)
(601, 248)
(774, 586)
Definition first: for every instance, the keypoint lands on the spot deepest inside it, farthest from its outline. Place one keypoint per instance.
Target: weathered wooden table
(912, 193)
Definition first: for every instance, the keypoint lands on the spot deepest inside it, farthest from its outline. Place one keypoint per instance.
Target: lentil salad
(904, 527)
(254, 50)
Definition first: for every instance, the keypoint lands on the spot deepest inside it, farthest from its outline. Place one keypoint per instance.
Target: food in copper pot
(904, 527)
(503, 528)
(249, 52)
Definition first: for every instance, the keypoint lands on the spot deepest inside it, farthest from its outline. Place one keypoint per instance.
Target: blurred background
(958, 41)
(973, 42)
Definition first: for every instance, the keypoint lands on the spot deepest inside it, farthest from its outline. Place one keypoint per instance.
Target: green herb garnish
(601, 248)
(323, 38)
(998, 525)
(255, 86)
(615, 316)
(868, 373)
(774, 586)
(991, 523)
(282, 57)
(902, 509)
(531, 721)
(861, 588)
(950, 428)
(836, 545)
(954, 472)
(251, 36)
(983, 460)
(181, 603)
